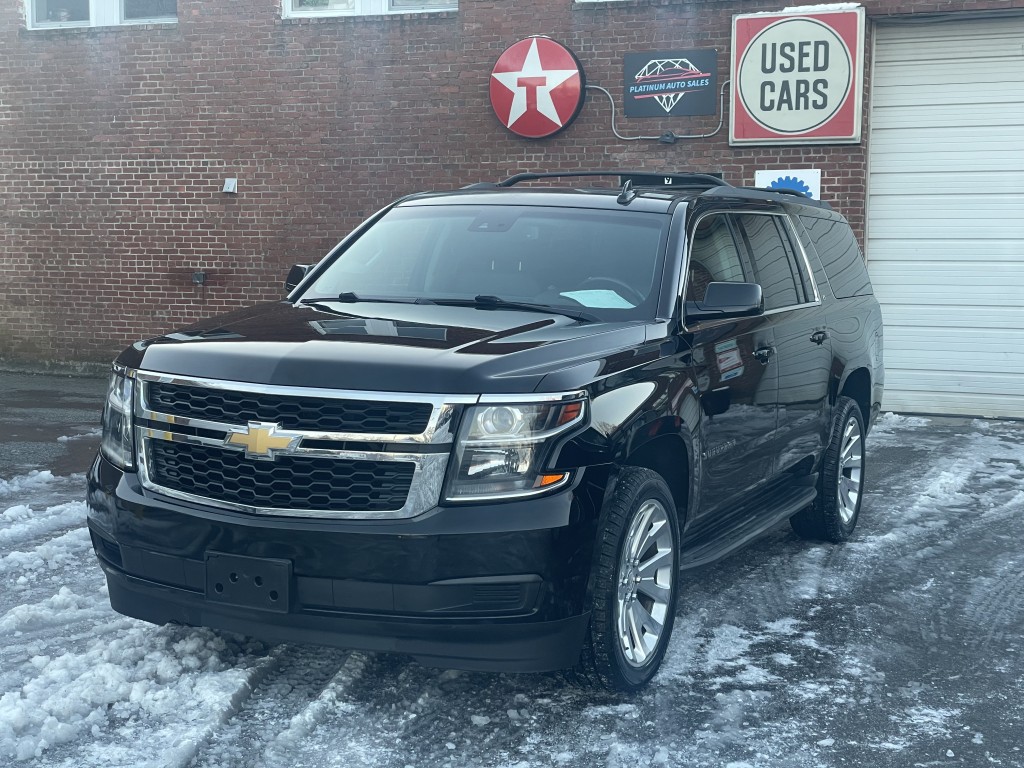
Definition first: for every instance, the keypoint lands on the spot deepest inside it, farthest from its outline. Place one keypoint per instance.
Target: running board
(703, 550)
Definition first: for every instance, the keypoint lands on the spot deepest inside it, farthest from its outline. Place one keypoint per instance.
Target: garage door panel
(957, 356)
(932, 227)
(948, 140)
(945, 296)
(939, 320)
(977, 404)
(920, 97)
(998, 71)
(918, 251)
(954, 165)
(910, 46)
(999, 182)
(915, 380)
(891, 119)
(946, 214)
(990, 207)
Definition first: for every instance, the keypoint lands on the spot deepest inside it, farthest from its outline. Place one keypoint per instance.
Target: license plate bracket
(249, 582)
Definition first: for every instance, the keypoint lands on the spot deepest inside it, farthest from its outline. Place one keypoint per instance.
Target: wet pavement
(49, 421)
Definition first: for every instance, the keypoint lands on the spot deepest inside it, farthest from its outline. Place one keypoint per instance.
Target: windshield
(606, 261)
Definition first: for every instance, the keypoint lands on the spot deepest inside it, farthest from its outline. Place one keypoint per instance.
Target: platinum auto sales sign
(797, 78)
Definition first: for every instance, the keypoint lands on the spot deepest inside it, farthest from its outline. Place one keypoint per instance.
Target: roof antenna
(627, 195)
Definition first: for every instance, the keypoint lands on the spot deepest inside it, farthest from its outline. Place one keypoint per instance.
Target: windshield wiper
(486, 301)
(348, 297)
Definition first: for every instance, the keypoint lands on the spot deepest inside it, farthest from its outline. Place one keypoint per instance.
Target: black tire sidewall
(835, 527)
(634, 487)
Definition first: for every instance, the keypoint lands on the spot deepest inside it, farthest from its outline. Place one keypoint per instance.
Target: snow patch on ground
(22, 523)
(890, 421)
(50, 555)
(90, 433)
(131, 684)
(33, 480)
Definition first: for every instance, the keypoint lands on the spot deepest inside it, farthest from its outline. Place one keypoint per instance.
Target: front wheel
(834, 513)
(636, 582)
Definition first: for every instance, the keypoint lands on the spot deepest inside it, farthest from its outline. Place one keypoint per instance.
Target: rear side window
(776, 265)
(840, 255)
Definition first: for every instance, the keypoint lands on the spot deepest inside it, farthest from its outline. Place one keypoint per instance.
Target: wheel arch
(669, 456)
(857, 386)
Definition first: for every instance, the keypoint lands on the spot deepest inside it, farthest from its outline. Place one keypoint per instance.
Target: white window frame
(102, 13)
(290, 9)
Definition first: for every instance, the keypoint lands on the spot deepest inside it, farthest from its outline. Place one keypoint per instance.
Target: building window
(46, 14)
(298, 8)
(144, 10)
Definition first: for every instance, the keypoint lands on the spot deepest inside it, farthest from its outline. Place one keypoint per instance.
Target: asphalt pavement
(49, 421)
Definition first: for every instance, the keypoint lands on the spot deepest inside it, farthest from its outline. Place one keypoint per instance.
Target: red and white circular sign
(537, 87)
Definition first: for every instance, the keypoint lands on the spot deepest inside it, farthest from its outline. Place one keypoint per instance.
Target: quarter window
(298, 8)
(774, 260)
(44, 14)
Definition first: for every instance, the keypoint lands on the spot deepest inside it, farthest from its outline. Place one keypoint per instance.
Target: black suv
(491, 427)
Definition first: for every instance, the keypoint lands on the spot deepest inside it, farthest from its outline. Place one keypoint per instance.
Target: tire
(636, 582)
(833, 515)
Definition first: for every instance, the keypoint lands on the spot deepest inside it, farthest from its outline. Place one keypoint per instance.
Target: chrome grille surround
(428, 450)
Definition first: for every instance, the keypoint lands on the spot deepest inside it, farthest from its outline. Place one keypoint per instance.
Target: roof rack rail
(760, 193)
(641, 178)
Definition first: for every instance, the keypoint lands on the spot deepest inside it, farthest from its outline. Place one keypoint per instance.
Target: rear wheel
(636, 582)
(834, 513)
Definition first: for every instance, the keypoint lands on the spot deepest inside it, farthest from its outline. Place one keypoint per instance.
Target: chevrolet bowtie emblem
(262, 440)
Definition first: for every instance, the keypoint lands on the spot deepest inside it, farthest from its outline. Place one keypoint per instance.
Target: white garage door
(946, 215)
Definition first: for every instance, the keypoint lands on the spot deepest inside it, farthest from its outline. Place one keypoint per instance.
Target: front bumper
(484, 587)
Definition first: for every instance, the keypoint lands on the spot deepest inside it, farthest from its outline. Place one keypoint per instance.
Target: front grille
(288, 483)
(321, 414)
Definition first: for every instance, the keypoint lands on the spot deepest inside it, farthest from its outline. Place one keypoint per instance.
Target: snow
(34, 479)
(87, 434)
(901, 647)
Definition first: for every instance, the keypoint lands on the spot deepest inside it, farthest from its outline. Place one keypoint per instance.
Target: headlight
(503, 448)
(117, 443)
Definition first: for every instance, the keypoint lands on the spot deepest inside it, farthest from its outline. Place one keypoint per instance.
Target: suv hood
(395, 347)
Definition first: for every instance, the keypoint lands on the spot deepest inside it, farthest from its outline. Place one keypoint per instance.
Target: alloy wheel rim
(644, 587)
(851, 471)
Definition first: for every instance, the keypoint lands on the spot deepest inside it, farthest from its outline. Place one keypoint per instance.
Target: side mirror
(726, 300)
(295, 275)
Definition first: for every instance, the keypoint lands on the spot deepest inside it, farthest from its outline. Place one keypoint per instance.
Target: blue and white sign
(806, 181)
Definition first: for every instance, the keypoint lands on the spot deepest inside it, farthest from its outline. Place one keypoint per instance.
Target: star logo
(537, 87)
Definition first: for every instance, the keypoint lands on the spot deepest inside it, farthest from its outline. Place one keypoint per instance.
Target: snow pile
(888, 422)
(50, 555)
(22, 523)
(130, 683)
(34, 479)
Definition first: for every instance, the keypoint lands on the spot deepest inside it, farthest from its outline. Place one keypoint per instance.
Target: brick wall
(117, 140)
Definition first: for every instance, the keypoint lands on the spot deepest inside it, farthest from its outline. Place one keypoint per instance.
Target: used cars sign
(797, 77)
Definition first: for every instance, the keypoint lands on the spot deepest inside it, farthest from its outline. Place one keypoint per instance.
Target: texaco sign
(537, 87)
(797, 77)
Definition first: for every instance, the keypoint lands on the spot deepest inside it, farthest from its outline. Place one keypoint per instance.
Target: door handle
(764, 354)
(818, 337)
